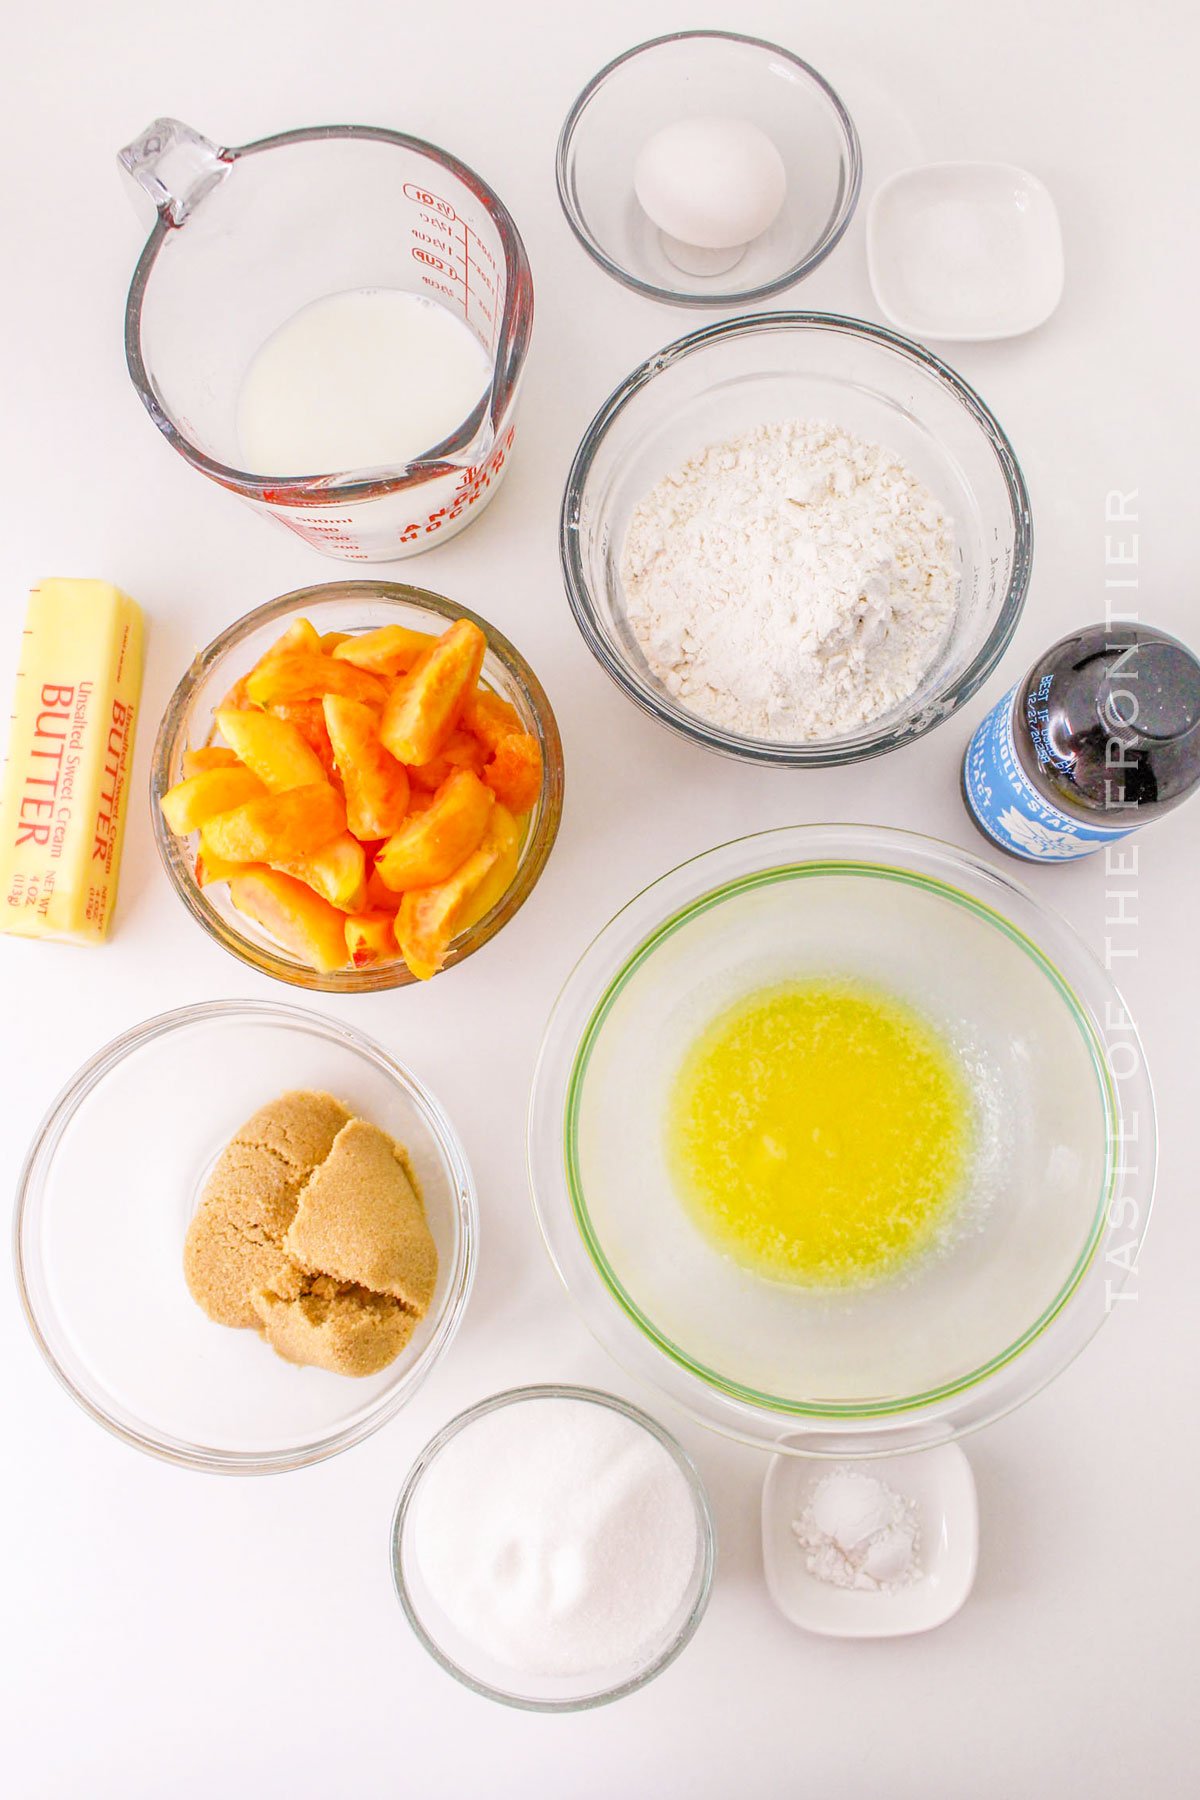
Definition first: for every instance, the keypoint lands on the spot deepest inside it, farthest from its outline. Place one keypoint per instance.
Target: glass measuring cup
(244, 238)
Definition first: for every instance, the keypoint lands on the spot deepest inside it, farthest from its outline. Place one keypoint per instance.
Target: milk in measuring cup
(374, 377)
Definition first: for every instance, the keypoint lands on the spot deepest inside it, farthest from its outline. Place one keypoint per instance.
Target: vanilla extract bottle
(1101, 736)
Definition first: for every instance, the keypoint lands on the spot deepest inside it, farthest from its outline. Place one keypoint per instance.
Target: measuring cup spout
(175, 165)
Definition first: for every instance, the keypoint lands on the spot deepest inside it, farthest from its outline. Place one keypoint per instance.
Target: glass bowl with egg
(335, 611)
(679, 139)
(872, 394)
(842, 1139)
(112, 1185)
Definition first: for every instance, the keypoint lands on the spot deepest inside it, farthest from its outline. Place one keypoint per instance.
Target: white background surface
(171, 1634)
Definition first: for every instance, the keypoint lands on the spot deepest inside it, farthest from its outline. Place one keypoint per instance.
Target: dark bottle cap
(1151, 693)
(1109, 721)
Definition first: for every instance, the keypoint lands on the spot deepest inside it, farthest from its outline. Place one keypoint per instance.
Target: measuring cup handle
(175, 166)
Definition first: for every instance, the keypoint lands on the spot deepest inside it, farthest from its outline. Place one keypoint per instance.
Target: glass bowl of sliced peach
(356, 785)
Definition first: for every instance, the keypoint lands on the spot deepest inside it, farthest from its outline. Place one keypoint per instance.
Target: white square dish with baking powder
(965, 250)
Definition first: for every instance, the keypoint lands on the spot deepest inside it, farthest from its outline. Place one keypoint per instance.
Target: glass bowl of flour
(796, 538)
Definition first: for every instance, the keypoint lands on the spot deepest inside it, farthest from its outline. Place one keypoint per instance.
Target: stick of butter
(66, 780)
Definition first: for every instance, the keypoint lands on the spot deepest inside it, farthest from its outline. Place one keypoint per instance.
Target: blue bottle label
(1010, 809)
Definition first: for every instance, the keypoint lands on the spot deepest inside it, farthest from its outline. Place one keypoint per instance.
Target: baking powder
(856, 1532)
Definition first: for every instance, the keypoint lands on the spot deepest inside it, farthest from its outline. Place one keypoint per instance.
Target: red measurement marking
(438, 287)
(324, 533)
(436, 262)
(423, 197)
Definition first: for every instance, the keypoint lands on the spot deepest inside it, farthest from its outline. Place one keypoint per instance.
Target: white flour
(793, 583)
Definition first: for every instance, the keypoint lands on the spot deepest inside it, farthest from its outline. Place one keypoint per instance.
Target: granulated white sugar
(557, 1536)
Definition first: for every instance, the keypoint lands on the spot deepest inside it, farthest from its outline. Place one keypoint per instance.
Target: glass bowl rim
(553, 1096)
(783, 754)
(702, 1507)
(830, 237)
(38, 1163)
(384, 976)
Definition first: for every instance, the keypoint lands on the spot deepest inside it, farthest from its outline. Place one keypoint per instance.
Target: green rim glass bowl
(109, 1187)
(1061, 1169)
(351, 607)
(464, 1660)
(727, 378)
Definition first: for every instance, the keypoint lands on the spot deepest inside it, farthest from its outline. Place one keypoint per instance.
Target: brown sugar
(358, 1217)
(312, 1232)
(234, 1244)
(337, 1326)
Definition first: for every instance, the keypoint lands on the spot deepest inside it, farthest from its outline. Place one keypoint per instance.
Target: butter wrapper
(65, 786)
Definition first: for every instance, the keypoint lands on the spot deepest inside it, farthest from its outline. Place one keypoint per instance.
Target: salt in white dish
(940, 1484)
(965, 250)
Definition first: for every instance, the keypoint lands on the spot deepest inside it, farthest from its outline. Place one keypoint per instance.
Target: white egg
(715, 183)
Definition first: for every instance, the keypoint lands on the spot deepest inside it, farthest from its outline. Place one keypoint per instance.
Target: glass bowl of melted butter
(842, 1139)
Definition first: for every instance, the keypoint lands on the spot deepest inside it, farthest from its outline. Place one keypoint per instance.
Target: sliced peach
(333, 640)
(503, 835)
(338, 872)
(308, 716)
(277, 827)
(274, 748)
(489, 718)
(431, 918)
(461, 751)
(192, 802)
(424, 705)
(376, 784)
(293, 915)
(210, 867)
(430, 846)
(307, 675)
(515, 772)
(301, 634)
(391, 650)
(237, 693)
(370, 938)
(209, 756)
(380, 897)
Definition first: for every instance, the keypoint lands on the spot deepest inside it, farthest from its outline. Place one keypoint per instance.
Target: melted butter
(819, 1133)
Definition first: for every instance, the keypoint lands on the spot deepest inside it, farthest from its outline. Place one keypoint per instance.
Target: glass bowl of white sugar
(797, 539)
(553, 1548)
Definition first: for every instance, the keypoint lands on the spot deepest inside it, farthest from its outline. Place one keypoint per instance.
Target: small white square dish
(941, 1487)
(965, 251)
